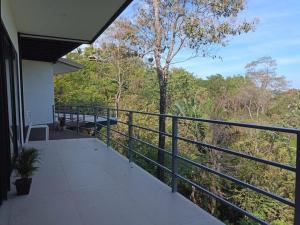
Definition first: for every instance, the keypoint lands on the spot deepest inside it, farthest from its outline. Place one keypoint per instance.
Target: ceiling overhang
(56, 27)
(64, 65)
(42, 49)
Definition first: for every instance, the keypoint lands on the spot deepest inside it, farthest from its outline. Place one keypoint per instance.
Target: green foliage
(26, 161)
(233, 98)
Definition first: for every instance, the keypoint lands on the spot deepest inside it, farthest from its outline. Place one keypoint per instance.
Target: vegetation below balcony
(251, 98)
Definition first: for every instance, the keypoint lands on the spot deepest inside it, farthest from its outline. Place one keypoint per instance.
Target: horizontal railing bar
(84, 128)
(271, 195)
(99, 132)
(100, 116)
(150, 160)
(238, 124)
(124, 146)
(204, 190)
(220, 148)
(81, 114)
(122, 122)
(80, 106)
(151, 145)
(152, 130)
(237, 181)
(245, 125)
(229, 151)
(103, 135)
(223, 200)
(133, 111)
(118, 132)
(101, 125)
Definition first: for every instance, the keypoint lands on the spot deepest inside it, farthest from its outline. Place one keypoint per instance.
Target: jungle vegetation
(260, 96)
(131, 67)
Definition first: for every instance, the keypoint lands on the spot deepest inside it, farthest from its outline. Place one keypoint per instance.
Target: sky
(277, 34)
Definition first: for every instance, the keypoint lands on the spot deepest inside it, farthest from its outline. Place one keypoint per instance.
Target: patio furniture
(31, 126)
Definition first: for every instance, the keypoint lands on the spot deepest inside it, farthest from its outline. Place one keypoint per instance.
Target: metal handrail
(237, 181)
(175, 157)
(221, 122)
(152, 130)
(242, 155)
(151, 145)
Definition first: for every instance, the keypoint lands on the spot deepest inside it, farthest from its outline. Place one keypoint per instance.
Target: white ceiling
(74, 19)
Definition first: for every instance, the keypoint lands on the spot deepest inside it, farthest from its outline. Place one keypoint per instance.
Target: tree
(162, 28)
(263, 84)
(121, 61)
(262, 72)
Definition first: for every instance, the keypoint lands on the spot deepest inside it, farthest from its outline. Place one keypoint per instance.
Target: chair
(35, 126)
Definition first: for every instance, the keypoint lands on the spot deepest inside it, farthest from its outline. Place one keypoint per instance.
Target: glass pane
(17, 101)
(11, 102)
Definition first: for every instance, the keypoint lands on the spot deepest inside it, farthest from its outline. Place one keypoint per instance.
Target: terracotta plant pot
(23, 186)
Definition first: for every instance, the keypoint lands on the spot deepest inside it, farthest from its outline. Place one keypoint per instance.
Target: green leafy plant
(26, 161)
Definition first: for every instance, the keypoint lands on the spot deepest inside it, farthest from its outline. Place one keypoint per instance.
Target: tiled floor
(81, 182)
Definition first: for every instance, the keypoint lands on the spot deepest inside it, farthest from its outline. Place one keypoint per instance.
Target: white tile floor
(81, 182)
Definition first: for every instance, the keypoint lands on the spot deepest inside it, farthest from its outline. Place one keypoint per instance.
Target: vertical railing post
(95, 121)
(174, 152)
(77, 119)
(53, 114)
(130, 135)
(58, 110)
(71, 114)
(64, 113)
(108, 127)
(297, 189)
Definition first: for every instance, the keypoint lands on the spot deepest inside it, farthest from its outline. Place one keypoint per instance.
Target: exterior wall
(38, 91)
(9, 23)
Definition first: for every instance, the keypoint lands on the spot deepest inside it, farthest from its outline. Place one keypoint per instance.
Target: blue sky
(277, 35)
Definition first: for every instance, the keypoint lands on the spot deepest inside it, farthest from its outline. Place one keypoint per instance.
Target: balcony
(82, 182)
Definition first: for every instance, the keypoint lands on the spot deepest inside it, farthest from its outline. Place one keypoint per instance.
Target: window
(10, 129)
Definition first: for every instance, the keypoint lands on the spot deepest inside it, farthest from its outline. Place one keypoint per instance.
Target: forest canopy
(115, 76)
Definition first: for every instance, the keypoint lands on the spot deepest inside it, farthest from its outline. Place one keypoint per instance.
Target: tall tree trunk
(117, 102)
(162, 75)
(162, 121)
(120, 86)
(118, 97)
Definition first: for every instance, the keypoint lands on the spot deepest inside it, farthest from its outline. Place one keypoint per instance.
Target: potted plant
(62, 123)
(25, 166)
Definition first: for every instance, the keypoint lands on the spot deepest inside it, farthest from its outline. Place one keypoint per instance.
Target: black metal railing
(109, 115)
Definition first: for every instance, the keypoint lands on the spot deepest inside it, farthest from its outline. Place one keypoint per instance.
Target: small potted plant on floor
(62, 123)
(25, 166)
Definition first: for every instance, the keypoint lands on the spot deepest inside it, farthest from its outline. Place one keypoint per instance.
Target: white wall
(38, 91)
(9, 22)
